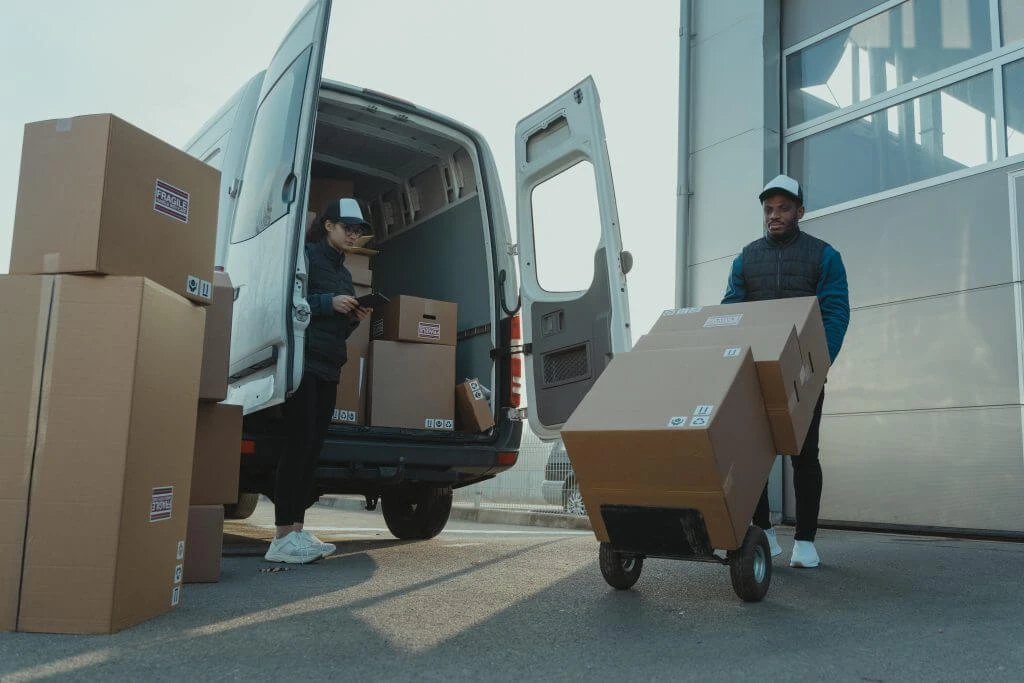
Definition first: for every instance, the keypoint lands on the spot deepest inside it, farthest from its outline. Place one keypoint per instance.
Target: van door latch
(506, 351)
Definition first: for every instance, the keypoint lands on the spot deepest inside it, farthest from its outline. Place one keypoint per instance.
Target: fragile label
(428, 330)
(161, 504)
(681, 311)
(170, 201)
(378, 328)
(195, 286)
(433, 423)
(175, 596)
(178, 572)
(181, 551)
(702, 411)
(677, 421)
(732, 353)
(723, 320)
(346, 416)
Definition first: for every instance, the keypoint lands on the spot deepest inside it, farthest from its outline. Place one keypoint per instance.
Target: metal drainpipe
(683, 153)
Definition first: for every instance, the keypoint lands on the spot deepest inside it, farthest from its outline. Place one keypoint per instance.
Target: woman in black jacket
(335, 313)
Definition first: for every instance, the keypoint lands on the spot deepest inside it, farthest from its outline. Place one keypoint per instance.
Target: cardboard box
(24, 299)
(472, 410)
(350, 405)
(740, 324)
(215, 465)
(670, 431)
(213, 384)
(113, 454)
(786, 387)
(204, 543)
(359, 266)
(410, 386)
(323, 191)
(412, 319)
(98, 195)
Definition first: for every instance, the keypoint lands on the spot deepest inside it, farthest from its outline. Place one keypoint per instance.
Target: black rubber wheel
(417, 513)
(244, 508)
(750, 567)
(619, 570)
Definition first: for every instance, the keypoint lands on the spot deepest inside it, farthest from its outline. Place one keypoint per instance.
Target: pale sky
(166, 67)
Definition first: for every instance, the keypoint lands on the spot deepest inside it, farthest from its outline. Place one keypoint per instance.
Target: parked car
(559, 486)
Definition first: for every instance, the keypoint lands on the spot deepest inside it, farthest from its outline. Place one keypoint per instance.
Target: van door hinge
(506, 351)
(235, 188)
(513, 250)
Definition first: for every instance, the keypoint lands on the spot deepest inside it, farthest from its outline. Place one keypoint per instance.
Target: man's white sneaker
(293, 548)
(325, 548)
(804, 555)
(773, 542)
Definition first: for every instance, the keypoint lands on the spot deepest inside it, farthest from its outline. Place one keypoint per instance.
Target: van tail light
(508, 458)
(516, 363)
(248, 447)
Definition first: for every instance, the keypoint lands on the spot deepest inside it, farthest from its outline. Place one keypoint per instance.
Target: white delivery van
(442, 232)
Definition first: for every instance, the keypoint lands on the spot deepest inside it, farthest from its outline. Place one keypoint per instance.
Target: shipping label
(175, 596)
(346, 416)
(178, 573)
(703, 411)
(681, 311)
(161, 504)
(677, 421)
(170, 201)
(181, 551)
(198, 287)
(428, 330)
(723, 320)
(734, 352)
(434, 423)
(476, 391)
(699, 421)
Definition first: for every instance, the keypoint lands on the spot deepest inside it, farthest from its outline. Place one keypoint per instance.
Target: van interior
(418, 181)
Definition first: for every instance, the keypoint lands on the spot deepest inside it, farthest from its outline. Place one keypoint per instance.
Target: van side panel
(435, 261)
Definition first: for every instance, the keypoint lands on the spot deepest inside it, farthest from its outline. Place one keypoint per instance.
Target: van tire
(244, 508)
(417, 513)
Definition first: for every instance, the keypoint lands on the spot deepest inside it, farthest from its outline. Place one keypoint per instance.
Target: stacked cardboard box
(99, 410)
(350, 406)
(687, 426)
(412, 364)
(472, 410)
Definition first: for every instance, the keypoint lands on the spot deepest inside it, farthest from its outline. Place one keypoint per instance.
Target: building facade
(904, 120)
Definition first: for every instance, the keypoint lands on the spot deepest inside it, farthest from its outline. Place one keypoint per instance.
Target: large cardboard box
(98, 195)
(412, 319)
(112, 461)
(26, 300)
(786, 386)
(791, 410)
(216, 465)
(664, 432)
(323, 190)
(213, 385)
(204, 543)
(472, 410)
(350, 404)
(411, 386)
(359, 266)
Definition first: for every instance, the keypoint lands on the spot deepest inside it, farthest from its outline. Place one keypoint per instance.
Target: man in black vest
(785, 263)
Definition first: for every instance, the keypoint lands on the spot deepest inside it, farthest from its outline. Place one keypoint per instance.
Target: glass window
(566, 229)
(906, 43)
(1013, 89)
(1011, 14)
(263, 199)
(943, 131)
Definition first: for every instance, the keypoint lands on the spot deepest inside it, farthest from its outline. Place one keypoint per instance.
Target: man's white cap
(783, 184)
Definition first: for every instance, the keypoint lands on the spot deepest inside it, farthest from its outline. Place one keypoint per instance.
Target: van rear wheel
(244, 508)
(417, 513)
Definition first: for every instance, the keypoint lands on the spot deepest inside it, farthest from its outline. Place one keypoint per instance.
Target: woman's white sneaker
(773, 542)
(804, 555)
(293, 548)
(325, 548)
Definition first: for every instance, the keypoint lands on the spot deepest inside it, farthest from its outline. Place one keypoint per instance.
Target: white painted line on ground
(484, 532)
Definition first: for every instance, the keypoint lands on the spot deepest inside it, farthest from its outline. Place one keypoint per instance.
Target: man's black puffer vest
(780, 270)
(326, 335)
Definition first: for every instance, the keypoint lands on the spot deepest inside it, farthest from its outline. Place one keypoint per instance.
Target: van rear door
(266, 259)
(570, 335)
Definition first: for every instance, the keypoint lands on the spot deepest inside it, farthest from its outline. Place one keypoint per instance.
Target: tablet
(372, 300)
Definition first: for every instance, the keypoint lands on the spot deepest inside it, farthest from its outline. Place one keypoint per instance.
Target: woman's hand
(361, 314)
(344, 303)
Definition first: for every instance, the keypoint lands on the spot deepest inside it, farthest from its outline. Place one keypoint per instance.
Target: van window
(271, 155)
(566, 229)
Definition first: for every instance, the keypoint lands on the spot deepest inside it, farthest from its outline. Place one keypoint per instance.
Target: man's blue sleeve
(321, 305)
(834, 300)
(736, 292)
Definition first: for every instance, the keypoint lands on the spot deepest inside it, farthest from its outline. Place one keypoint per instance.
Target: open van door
(570, 334)
(266, 259)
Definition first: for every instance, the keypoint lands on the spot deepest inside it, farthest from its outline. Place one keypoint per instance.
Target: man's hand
(344, 303)
(361, 314)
